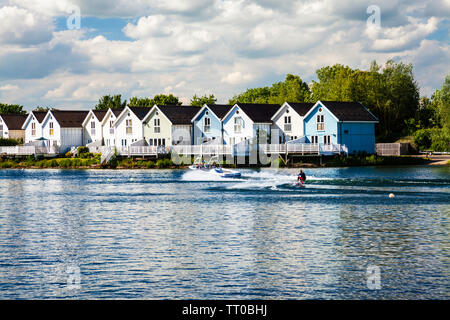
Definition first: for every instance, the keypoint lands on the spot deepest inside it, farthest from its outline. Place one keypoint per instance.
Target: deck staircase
(107, 154)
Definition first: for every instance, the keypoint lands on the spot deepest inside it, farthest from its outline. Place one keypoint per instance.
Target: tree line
(390, 92)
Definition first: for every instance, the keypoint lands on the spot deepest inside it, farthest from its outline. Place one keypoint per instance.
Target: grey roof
(349, 111)
(220, 110)
(39, 115)
(100, 114)
(140, 112)
(261, 113)
(117, 112)
(14, 121)
(70, 118)
(179, 114)
(301, 108)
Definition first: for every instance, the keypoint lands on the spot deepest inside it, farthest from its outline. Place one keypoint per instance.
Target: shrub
(149, 164)
(82, 149)
(164, 163)
(86, 155)
(8, 142)
(432, 139)
(68, 154)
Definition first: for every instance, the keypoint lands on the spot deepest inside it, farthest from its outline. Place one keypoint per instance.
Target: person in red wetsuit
(301, 177)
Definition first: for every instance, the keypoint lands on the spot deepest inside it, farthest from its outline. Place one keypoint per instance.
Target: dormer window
(320, 122)
(207, 125)
(129, 126)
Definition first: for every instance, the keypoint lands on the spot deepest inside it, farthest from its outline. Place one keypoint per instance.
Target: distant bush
(8, 142)
(373, 160)
(86, 155)
(164, 163)
(432, 139)
(68, 154)
(82, 149)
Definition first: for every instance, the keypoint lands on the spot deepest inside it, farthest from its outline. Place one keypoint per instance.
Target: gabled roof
(259, 113)
(219, 110)
(117, 112)
(301, 108)
(39, 115)
(349, 111)
(14, 121)
(69, 118)
(179, 114)
(99, 114)
(140, 112)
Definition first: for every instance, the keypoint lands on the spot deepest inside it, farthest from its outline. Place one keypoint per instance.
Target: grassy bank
(128, 163)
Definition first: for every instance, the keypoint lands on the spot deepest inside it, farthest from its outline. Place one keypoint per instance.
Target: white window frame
(320, 122)
(207, 125)
(287, 124)
(238, 125)
(33, 129)
(157, 125)
(129, 126)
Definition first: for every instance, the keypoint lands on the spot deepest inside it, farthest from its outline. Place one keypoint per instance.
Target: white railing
(202, 149)
(107, 153)
(18, 150)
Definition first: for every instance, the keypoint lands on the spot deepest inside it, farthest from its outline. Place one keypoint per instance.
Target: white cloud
(8, 87)
(20, 26)
(400, 38)
(236, 78)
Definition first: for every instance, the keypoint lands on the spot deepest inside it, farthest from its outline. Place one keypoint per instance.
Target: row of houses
(324, 123)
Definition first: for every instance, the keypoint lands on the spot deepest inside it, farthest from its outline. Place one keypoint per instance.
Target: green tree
(391, 93)
(442, 98)
(11, 109)
(197, 101)
(113, 102)
(41, 109)
(159, 99)
(293, 89)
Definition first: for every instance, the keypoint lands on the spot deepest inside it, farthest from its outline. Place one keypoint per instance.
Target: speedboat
(213, 168)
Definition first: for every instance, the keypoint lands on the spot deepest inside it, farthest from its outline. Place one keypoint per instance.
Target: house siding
(28, 130)
(121, 131)
(358, 136)
(200, 136)
(108, 137)
(165, 131)
(247, 131)
(88, 137)
(330, 122)
(297, 124)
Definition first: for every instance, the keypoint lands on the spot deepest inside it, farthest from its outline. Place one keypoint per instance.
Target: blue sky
(220, 47)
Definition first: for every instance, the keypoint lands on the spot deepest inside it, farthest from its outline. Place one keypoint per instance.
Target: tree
(159, 99)
(113, 102)
(11, 109)
(391, 93)
(200, 101)
(41, 109)
(442, 98)
(293, 89)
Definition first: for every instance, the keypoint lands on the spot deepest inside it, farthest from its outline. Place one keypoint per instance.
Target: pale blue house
(208, 125)
(345, 123)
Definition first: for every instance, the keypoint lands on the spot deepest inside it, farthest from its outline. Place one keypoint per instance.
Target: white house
(108, 126)
(247, 121)
(128, 127)
(289, 121)
(33, 125)
(92, 127)
(169, 125)
(11, 126)
(63, 129)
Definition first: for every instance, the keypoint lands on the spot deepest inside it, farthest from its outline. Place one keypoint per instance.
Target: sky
(221, 47)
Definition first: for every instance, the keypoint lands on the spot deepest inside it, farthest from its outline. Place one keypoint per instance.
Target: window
(51, 131)
(111, 127)
(314, 139)
(207, 126)
(1, 131)
(93, 128)
(157, 125)
(326, 139)
(345, 131)
(232, 141)
(163, 142)
(129, 126)
(320, 123)
(237, 124)
(124, 142)
(287, 124)
(33, 129)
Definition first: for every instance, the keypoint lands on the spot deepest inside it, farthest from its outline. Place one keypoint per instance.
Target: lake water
(154, 234)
